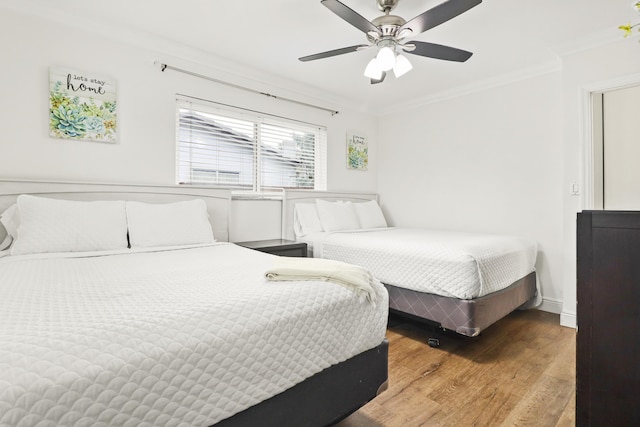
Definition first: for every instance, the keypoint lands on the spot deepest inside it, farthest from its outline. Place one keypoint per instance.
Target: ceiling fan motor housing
(386, 5)
(388, 24)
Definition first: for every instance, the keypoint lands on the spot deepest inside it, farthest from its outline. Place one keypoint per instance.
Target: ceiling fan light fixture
(387, 33)
(402, 66)
(373, 71)
(386, 58)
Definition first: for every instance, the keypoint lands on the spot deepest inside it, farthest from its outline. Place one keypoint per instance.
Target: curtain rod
(164, 67)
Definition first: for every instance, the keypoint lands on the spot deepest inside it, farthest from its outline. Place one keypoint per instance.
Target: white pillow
(168, 224)
(51, 225)
(10, 219)
(6, 242)
(305, 219)
(369, 214)
(336, 216)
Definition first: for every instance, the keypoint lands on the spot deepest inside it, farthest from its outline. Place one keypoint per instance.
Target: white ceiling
(507, 37)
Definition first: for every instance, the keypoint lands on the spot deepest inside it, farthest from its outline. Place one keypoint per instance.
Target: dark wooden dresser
(608, 341)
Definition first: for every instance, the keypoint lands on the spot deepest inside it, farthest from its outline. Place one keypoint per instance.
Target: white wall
(489, 161)
(145, 152)
(255, 220)
(503, 160)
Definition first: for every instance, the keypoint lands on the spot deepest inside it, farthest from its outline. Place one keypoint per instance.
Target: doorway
(616, 148)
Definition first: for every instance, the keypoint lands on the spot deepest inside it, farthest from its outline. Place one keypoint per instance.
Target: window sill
(253, 195)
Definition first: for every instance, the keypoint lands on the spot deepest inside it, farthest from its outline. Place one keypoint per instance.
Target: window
(246, 150)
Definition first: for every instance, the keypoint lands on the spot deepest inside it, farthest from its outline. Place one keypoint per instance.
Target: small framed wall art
(357, 151)
(82, 106)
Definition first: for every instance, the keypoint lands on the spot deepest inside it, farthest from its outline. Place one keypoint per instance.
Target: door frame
(587, 143)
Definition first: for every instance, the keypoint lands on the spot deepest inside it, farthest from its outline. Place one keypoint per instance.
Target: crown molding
(589, 41)
(575, 46)
(478, 86)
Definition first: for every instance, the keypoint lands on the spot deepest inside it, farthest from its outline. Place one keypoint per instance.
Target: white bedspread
(169, 338)
(451, 264)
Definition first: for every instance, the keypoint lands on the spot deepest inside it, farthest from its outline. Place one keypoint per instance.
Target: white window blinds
(245, 150)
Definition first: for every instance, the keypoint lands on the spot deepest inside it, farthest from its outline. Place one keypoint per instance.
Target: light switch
(574, 189)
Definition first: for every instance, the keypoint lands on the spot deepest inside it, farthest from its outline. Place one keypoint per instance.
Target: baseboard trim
(569, 320)
(550, 305)
(554, 306)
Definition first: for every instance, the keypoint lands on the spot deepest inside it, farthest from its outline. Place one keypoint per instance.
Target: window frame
(261, 122)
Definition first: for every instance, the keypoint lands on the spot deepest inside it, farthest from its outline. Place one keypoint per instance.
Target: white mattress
(446, 263)
(168, 338)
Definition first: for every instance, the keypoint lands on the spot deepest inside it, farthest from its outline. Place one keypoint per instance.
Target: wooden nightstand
(278, 247)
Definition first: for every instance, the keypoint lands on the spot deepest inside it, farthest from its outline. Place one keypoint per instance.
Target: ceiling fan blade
(331, 53)
(438, 51)
(351, 16)
(380, 80)
(439, 14)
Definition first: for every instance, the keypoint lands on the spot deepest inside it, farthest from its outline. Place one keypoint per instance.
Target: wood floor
(519, 372)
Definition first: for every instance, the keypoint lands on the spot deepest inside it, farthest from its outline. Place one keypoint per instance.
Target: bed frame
(466, 317)
(323, 399)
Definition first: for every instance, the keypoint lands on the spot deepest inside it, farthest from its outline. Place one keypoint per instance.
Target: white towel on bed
(355, 278)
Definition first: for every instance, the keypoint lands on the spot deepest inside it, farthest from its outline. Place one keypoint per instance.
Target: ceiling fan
(389, 33)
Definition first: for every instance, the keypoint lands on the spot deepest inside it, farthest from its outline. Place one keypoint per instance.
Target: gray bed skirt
(466, 317)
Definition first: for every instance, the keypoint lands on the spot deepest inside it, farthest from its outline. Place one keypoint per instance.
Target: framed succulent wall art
(82, 106)
(357, 151)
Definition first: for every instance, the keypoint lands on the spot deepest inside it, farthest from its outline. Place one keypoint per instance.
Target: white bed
(187, 335)
(446, 263)
(461, 281)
